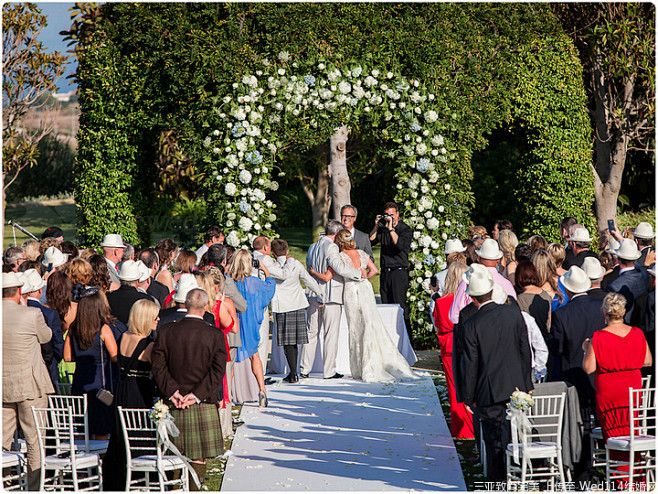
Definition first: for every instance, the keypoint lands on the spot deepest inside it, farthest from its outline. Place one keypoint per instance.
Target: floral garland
(314, 98)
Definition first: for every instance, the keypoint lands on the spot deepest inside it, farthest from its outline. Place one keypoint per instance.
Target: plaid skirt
(291, 327)
(200, 432)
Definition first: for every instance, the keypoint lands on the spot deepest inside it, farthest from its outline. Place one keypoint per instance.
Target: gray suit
(114, 272)
(321, 255)
(363, 243)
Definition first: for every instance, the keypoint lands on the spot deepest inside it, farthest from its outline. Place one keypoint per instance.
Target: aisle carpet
(341, 435)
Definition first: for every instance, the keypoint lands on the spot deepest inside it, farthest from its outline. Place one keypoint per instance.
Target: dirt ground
(428, 360)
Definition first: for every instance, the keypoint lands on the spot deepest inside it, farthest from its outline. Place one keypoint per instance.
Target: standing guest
(395, 236)
(348, 214)
(25, 379)
(31, 248)
(523, 252)
(477, 232)
(258, 294)
(213, 236)
(496, 360)
(537, 242)
(156, 289)
(580, 243)
(507, 241)
(92, 346)
(461, 421)
(649, 323)
(134, 388)
(612, 266)
(531, 298)
(54, 260)
(186, 284)
(571, 325)
(59, 292)
(453, 246)
(70, 249)
(87, 253)
(189, 363)
(80, 273)
(128, 254)
(500, 226)
(471, 256)
(567, 226)
(47, 243)
(289, 306)
(122, 299)
(594, 272)
(558, 253)
(488, 256)
(113, 247)
(632, 283)
(14, 257)
(100, 272)
(185, 262)
(549, 281)
(53, 232)
(644, 236)
(217, 256)
(166, 249)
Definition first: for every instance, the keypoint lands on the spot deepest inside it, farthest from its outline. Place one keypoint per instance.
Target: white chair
(145, 453)
(73, 469)
(543, 442)
(640, 444)
(64, 388)
(78, 406)
(596, 437)
(16, 477)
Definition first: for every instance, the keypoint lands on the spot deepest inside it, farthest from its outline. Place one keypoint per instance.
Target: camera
(383, 220)
(255, 263)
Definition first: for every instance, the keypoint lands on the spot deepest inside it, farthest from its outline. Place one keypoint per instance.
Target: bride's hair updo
(345, 240)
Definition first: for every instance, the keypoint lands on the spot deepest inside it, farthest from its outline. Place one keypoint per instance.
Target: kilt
(200, 432)
(291, 327)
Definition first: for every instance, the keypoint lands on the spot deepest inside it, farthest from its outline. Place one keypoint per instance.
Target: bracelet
(391, 230)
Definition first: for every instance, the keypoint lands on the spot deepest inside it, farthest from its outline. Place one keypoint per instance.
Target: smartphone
(611, 225)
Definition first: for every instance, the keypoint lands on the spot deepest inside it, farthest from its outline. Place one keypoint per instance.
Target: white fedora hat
(576, 280)
(144, 272)
(11, 279)
(113, 240)
(453, 245)
(129, 271)
(473, 268)
(32, 281)
(613, 245)
(580, 235)
(644, 230)
(480, 283)
(593, 268)
(490, 250)
(186, 283)
(499, 294)
(54, 257)
(628, 250)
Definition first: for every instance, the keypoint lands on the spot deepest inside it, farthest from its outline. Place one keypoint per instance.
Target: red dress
(226, 330)
(618, 363)
(461, 421)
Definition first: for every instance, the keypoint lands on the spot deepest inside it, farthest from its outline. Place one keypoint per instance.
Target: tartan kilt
(291, 327)
(200, 431)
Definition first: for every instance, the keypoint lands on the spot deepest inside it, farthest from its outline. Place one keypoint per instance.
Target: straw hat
(453, 245)
(490, 250)
(628, 250)
(613, 245)
(580, 235)
(499, 294)
(576, 280)
(54, 257)
(186, 283)
(144, 271)
(113, 240)
(644, 230)
(32, 281)
(475, 267)
(11, 279)
(480, 283)
(129, 271)
(593, 268)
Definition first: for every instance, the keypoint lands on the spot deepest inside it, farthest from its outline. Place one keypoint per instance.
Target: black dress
(135, 389)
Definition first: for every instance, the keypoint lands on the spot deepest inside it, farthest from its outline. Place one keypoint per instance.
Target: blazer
(158, 291)
(122, 300)
(189, 356)
(643, 256)
(610, 277)
(597, 293)
(497, 357)
(232, 292)
(175, 314)
(632, 285)
(362, 241)
(289, 295)
(578, 259)
(458, 349)
(114, 272)
(324, 254)
(53, 351)
(24, 374)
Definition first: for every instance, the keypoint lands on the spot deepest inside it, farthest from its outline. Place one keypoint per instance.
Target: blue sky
(59, 19)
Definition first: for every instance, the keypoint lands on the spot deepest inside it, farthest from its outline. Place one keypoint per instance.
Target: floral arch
(309, 99)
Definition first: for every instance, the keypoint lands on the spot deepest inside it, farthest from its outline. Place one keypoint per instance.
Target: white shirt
(200, 252)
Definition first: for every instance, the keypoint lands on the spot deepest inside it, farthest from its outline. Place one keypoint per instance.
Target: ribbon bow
(166, 426)
(519, 424)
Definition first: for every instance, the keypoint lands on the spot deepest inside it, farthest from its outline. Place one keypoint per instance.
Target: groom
(323, 254)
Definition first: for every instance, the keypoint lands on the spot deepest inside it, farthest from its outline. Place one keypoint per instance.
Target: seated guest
(122, 300)
(632, 283)
(189, 362)
(531, 298)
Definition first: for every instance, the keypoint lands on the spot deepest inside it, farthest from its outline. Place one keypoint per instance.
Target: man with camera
(395, 237)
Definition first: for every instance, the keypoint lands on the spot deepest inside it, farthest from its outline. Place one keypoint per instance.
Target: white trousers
(328, 316)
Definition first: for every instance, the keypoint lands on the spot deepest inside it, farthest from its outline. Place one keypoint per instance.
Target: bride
(373, 355)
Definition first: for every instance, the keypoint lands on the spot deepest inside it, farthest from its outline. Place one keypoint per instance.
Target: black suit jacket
(632, 285)
(597, 293)
(610, 277)
(53, 351)
(578, 259)
(497, 357)
(122, 300)
(458, 349)
(189, 356)
(172, 314)
(158, 290)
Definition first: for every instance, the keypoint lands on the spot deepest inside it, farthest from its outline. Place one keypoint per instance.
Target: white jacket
(289, 295)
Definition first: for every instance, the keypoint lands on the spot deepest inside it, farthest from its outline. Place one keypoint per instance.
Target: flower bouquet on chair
(517, 414)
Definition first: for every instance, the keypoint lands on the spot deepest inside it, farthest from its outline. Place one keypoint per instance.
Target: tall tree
(29, 75)
(617, 46)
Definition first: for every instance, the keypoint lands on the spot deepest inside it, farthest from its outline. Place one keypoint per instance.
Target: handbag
(104, 395)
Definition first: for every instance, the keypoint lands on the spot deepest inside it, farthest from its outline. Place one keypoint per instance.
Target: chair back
(646, 381)
(78, 406)
(55, 433)
(139, 433)
(642, 412)
(546, 417)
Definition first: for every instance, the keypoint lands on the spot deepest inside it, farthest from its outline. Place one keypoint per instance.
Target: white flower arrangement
(244, 177)
(159, 411)
(520, 400)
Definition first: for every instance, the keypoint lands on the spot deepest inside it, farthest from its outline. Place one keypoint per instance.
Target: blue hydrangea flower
(244, 206)
(310, 80)
(414, 127)
(238, 130)
(254, 157)
(429, 260)
(422, 165)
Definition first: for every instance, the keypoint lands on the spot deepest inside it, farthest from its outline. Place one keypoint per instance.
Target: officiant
(395, 237)
(348, 214)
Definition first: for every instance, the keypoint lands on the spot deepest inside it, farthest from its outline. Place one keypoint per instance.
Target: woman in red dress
(461, 421)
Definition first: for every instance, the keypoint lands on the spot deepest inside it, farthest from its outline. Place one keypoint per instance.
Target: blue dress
(258, 294)
(88, 379)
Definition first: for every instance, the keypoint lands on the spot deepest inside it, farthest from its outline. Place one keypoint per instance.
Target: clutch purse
(105, 397)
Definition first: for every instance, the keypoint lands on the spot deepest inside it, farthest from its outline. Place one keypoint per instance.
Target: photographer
(395, 237)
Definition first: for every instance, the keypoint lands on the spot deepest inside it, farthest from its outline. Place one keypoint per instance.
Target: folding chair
(16, 477)
(78, 406)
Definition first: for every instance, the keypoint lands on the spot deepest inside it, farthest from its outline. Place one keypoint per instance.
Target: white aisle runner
(342, 434)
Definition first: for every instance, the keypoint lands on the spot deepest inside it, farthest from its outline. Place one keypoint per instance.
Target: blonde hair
(537, 242)
(546, 270)
(80, 271)
(206, 283)
(31, 248)
(142, 315)
(345, 240)
(240, 266)
(87, 253)
(557, 252)
(507, 241)
(477, 231)
(454, 276)
(217, 277)
(47, 242)
(455, 257)
(614, 306)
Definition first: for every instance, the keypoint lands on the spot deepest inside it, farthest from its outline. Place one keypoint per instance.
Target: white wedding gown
(373, 355)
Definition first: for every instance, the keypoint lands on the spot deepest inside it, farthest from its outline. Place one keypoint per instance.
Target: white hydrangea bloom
(431, 116)
(244, 176)
(432, 223)
(233, 239)
(245, 224)
(344, 87)
(421, 149)
(230, 189)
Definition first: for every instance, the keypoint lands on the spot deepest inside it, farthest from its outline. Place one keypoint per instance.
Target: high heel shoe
(262, 399)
